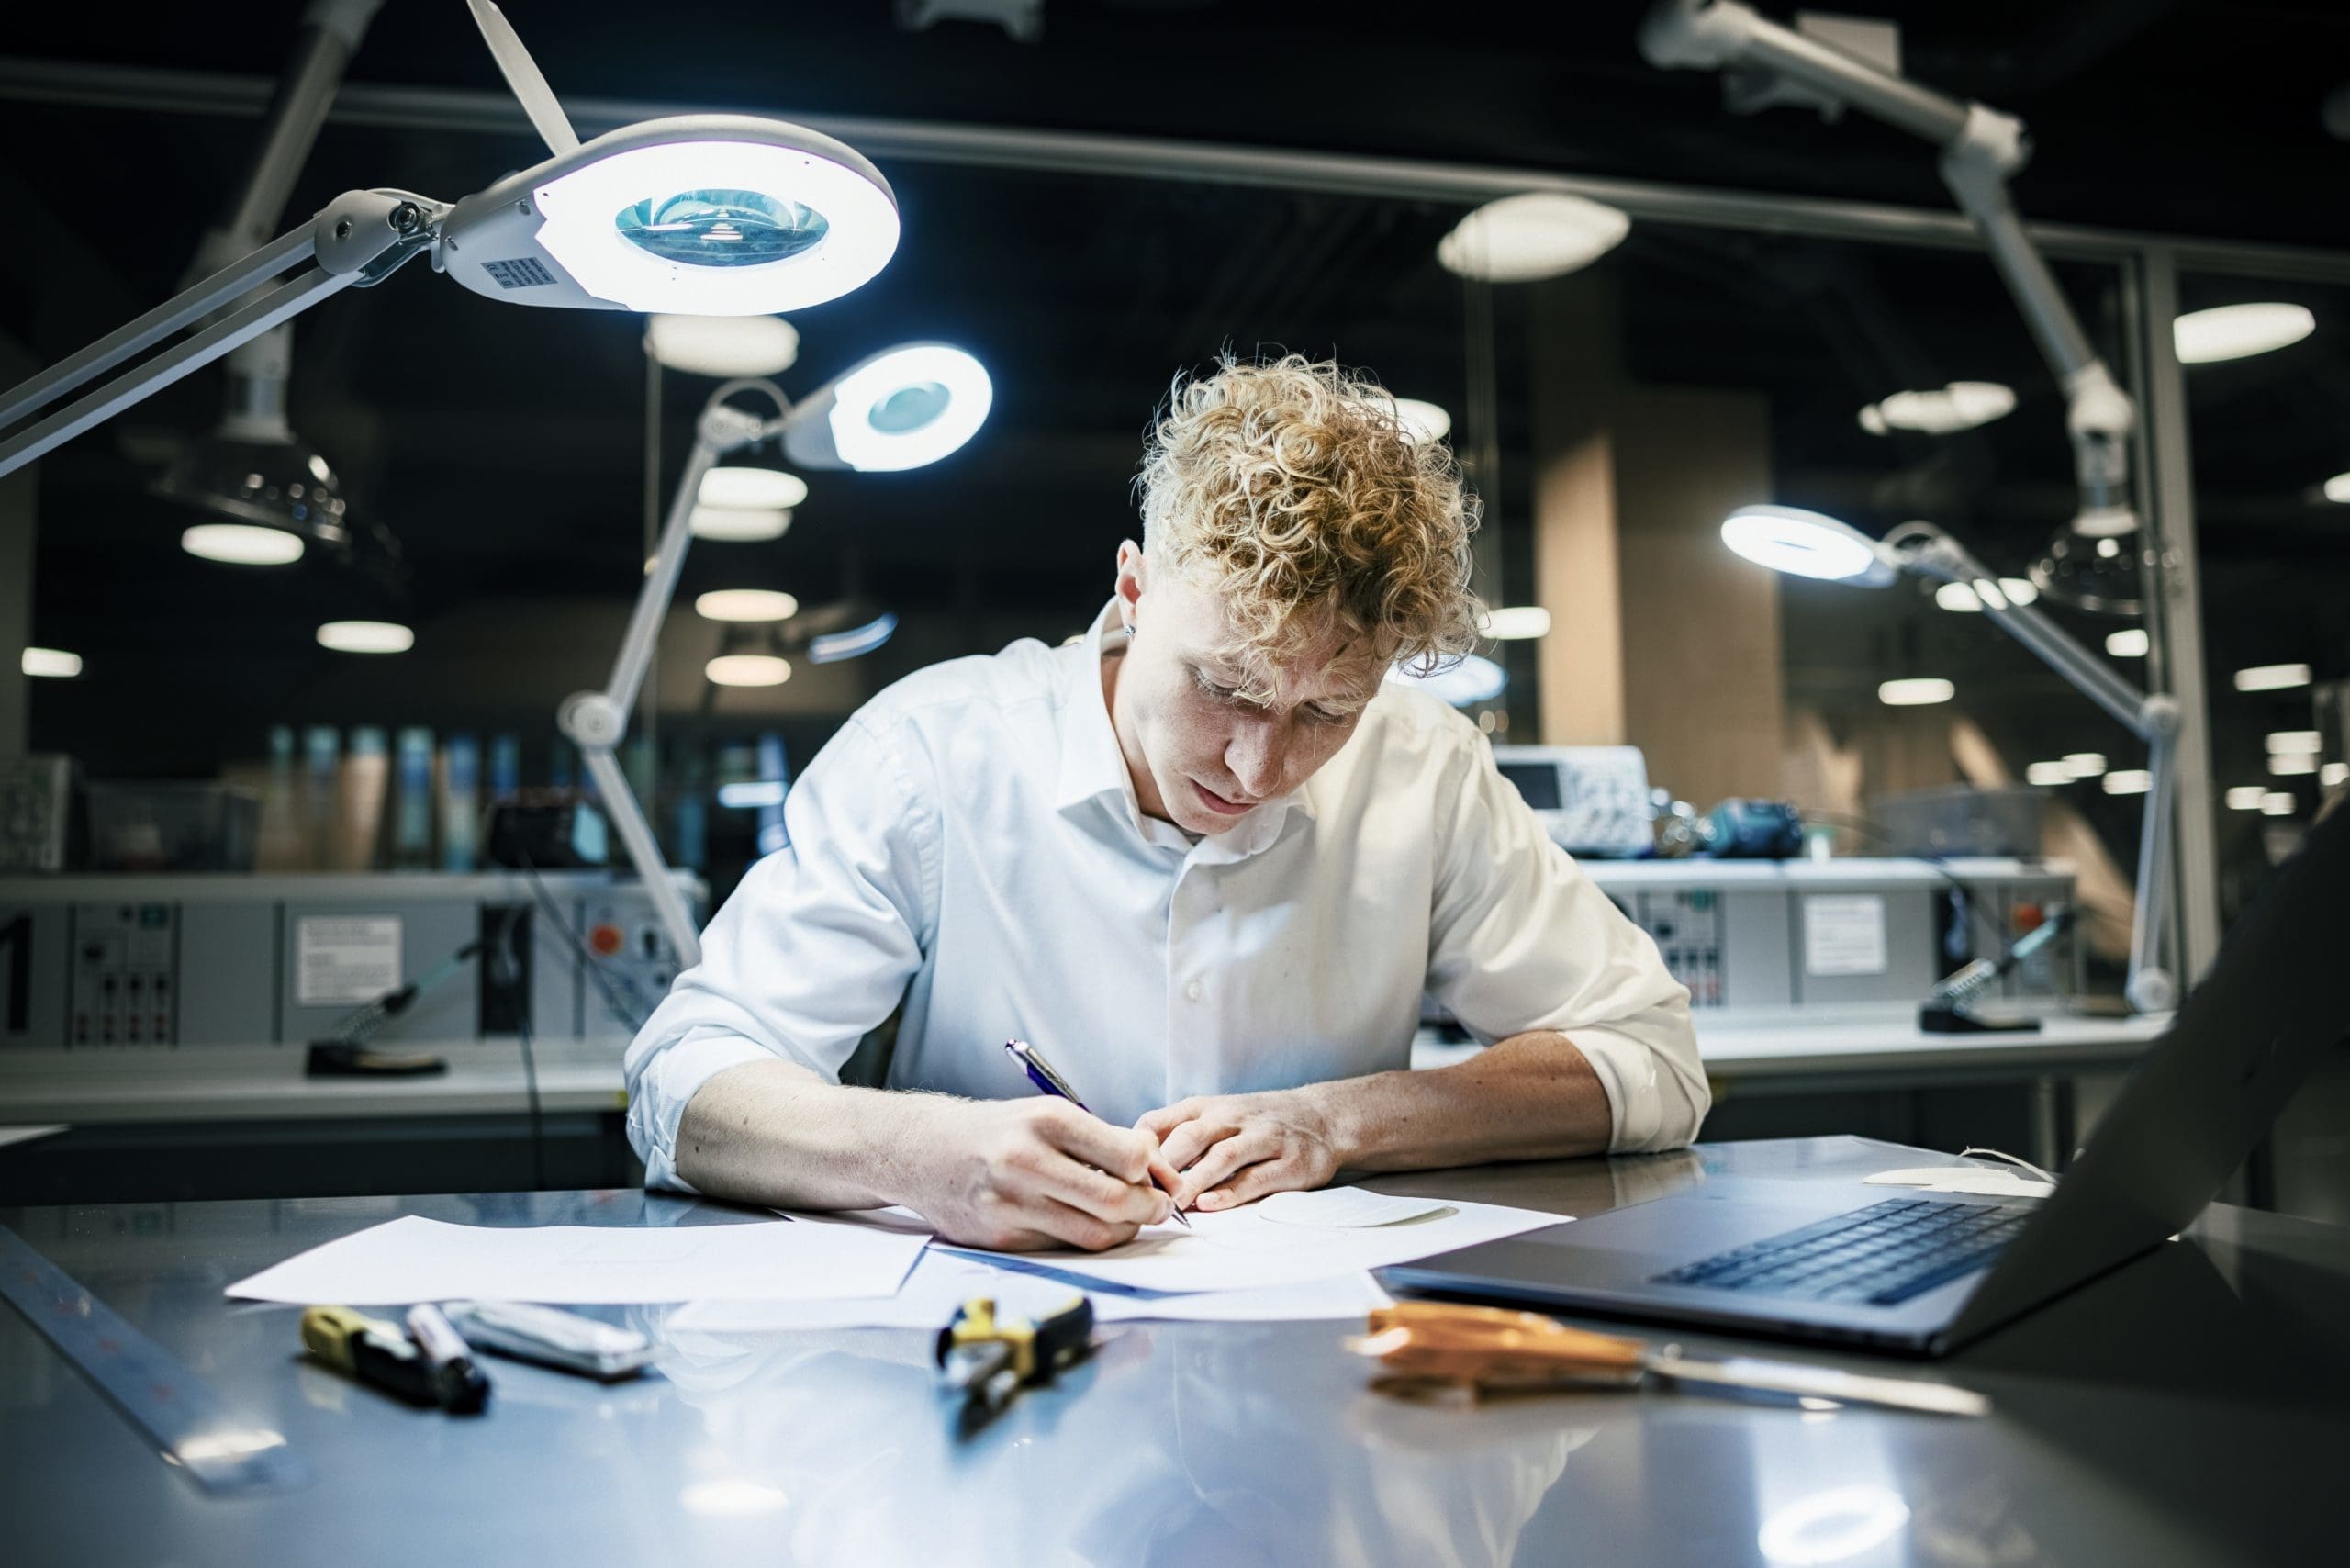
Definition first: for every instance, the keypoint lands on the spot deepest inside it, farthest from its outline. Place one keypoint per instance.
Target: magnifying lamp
(1811, 544)
(688, 215)
(899, 408)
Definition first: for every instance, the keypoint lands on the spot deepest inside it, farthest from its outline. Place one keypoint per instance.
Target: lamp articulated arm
(359, 239)
(2153, 717)
(1981, 149)
(597, 722)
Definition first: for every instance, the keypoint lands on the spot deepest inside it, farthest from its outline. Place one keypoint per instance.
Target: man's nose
(1258, 751)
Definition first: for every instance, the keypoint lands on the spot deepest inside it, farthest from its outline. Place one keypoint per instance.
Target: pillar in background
(16, 573)
(1659, 637)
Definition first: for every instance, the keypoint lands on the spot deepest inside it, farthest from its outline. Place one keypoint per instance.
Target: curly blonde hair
(1294, 489)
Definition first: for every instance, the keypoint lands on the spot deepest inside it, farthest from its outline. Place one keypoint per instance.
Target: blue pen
(1040, 1073)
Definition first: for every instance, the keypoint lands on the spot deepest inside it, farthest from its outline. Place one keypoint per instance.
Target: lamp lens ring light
(908, 407)
(710, 226)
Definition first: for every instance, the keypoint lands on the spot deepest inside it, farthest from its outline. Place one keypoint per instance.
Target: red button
(605, 939)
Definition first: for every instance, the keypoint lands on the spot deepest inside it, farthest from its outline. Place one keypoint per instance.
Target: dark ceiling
(507, 448)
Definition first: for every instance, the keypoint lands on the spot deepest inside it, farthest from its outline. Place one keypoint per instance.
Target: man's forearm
(1532, 1096)
(773, 1133)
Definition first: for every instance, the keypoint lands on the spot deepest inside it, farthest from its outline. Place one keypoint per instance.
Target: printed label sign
(339, 959)
(1844, 933)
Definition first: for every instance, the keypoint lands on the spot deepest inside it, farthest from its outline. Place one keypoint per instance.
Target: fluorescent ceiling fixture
(833, 647)
(2129, 643)
(716, 228)
(2237, 332)
(749, 669)
(2005, 593)
(1516, 624)
(1961, 406)
(55, 664)
(1805, 543)
(722, 346)
(2085, 764)
(2308, 741)
(2246, 798)
(2272, 677)
(907, 407)
(1462, 683)
(753, 792)
(738, 525)
(2292, 763)
(241, 545)
(2020, 590)
(2338, 488)
(746, 604)
(2128, 781)
(1916, 692)
(1422, 421)
(1538, 235)
(2047, 773)
(2334, 773)
(2276, 803)
(1958, 597)
(366, 637)
(746, 488)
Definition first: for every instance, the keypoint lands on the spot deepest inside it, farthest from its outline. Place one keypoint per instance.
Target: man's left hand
(1235, 1148)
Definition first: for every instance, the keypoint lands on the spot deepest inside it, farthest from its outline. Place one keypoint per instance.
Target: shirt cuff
(1628, 1070)
(656, 1102)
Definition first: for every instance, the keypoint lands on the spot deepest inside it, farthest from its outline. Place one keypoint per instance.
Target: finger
(1217, 1163)
(1254, 1182)
(1187, 1143)
(1097, 1193)
(1123, 1152)
(1075, 1227)
(1159, 1123)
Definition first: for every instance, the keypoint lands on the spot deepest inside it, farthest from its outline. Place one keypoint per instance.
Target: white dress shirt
(970, 843)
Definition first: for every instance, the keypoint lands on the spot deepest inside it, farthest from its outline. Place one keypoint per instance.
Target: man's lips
(1218, 805)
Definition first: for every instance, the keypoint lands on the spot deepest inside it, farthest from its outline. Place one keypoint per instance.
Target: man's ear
(1133, 567)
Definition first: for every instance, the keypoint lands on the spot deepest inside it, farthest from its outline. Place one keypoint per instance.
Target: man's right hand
(1017, 1175)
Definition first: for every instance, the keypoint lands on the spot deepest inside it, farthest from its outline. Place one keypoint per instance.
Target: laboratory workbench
(2189, 1408)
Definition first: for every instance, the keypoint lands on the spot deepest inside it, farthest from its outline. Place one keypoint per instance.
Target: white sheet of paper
(1844, 933)
(944, 1281)
(413, 1258)
(1345, 1206)
(1241, 1250)
(1980, 1180)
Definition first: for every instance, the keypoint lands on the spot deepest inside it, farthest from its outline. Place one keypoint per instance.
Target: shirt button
(1191, 992)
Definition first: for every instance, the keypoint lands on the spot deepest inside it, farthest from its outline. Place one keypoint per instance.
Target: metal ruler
(185, 1420)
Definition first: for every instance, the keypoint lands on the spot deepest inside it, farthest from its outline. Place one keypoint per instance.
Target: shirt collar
(1092, 766)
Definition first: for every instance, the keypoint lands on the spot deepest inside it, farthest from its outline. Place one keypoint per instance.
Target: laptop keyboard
(1881, 1255)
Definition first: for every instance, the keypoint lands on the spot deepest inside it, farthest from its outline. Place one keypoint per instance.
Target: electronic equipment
(118, 963)
(43, 817)
(1591, 799)
(1929, 1274)
(1765, 934)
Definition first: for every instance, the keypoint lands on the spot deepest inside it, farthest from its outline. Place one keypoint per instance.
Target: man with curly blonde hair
(1209, 857)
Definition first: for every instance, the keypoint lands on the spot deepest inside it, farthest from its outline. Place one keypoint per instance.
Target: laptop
(1922, 1276)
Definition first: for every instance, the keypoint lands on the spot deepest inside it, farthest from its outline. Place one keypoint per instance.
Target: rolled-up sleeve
(1521, 940)
(814, 950)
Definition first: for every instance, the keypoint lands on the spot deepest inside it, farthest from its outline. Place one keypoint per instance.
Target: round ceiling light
(1422, 420)
(746, 604)
(744, 488)
(718, 226)
(1961, 406)
(50, 664)
(749, 669)
(241, 545)
(366, 637)
(2338, 488)
(738, 525)
(1516, 622)
(1916, 692)
(722, 346)
(2238, 331)
(1539, 234)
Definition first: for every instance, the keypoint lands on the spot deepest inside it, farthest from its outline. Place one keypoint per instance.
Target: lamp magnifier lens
(909, 408)
(721, 227)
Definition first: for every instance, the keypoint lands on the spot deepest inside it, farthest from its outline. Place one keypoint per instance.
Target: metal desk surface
(2192, 1407)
